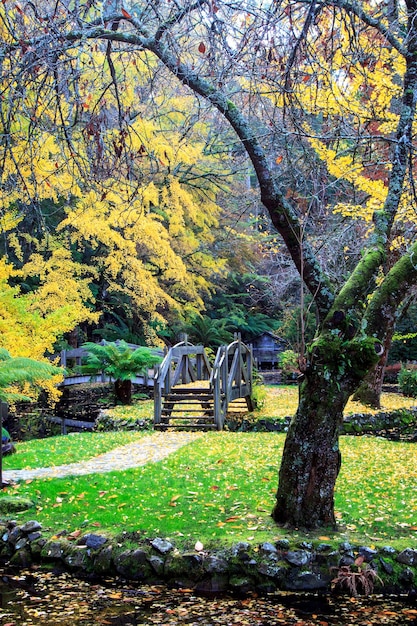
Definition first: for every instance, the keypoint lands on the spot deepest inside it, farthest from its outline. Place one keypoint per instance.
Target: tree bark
(311, 459)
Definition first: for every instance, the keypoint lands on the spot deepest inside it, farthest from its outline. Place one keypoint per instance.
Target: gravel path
(147, 450)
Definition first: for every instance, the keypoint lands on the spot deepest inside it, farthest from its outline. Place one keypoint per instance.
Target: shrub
(288, 363)
(258, 396)
(407, 381)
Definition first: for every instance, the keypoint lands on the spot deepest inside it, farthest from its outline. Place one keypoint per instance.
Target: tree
(250, 63)
(31, 323)
(117, 360)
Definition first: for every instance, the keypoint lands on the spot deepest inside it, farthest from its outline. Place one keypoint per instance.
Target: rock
(157, 564)
(34, 536)
(162, 545)
(388, 550)
(306, 581)
(103, 561)
(406, 577)
(298, 557)
(386, 566)
(133, 564)
(53, 550)
(217, 585)
(215, 565)
(188, 565)
(21, 558)
(346, 547)
(408, 557)
(240, 547)
(76, 558)
(283, 544)
(266, 587)
(367, 553)
(30, 527)
(271, 570)
(346, 560)
(268, 548)
(323, 547)
(21, 543)
(92, 541)
(14, 535)
(12, 504)
(241, 584)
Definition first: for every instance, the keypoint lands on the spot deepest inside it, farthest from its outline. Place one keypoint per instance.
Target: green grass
(69, 449)
(281, 401)
(221, 488)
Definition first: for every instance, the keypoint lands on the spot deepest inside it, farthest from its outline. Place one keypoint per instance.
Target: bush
(407, 381)
(107, 422)
(258, 396)
(288, 363)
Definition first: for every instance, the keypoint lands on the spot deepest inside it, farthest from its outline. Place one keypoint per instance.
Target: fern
(355, 579)
(117, 360)
(20, 370)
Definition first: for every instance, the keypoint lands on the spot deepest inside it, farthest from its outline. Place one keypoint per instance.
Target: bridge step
(188, 426)
(200, 404)
(188, 409)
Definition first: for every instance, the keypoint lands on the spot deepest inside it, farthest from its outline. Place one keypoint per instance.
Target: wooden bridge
(189, 393)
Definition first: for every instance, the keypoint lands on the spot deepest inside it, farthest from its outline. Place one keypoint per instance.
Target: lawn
(221, 487)
(61, 450)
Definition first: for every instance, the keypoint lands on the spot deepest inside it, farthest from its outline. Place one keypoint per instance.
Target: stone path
(147, 450)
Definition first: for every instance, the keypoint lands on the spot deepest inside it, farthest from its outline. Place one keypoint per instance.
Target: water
(37, 598)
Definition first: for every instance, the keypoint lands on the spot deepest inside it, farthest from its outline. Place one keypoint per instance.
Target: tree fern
(117, 360)
(19, 370)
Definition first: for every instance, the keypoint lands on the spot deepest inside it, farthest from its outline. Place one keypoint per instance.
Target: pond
(34, 597)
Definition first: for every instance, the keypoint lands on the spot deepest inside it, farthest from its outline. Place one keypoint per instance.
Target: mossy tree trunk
(370, 389)
(311, 458)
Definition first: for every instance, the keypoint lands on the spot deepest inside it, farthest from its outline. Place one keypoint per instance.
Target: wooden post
(157, 396)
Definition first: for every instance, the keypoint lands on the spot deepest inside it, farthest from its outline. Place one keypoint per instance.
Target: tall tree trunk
(311, 458)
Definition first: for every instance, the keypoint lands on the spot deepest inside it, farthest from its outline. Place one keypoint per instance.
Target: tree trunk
(123, 391)
(311, 459)
(370, 389)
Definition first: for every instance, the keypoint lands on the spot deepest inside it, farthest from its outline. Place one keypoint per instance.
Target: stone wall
(241, 568)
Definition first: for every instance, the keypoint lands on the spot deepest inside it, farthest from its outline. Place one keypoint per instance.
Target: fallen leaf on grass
(74, 534)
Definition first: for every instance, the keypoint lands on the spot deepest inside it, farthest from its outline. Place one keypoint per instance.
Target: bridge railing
(232, 377)
(183, 363)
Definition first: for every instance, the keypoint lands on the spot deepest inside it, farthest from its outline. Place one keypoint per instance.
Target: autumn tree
(131, 194)
(250, 62)
(31, 323)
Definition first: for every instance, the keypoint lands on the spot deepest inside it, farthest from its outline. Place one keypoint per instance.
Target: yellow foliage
(30, 324)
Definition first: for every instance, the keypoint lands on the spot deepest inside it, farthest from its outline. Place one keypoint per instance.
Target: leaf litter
(33, 598)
